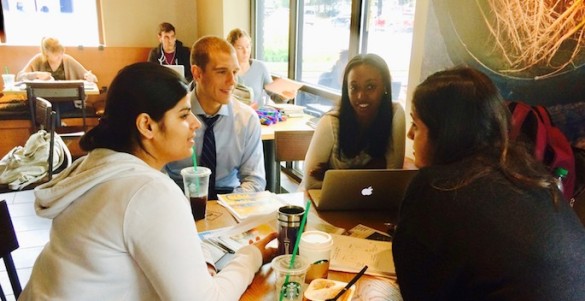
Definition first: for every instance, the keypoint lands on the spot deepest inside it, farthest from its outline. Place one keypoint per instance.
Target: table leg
(270, 166)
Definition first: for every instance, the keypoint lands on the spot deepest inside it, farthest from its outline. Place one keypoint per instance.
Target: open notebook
(347, 189)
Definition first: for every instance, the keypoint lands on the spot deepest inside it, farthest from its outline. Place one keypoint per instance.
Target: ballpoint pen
(221, 245)
(349, 284)
(228, 249)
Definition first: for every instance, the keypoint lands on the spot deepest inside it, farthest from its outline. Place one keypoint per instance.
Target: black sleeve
(152, 56)
(423, 270)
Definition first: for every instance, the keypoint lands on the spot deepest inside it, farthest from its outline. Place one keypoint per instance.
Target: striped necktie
(208, 155)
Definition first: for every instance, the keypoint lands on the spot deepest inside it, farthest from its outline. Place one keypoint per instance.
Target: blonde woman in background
(53, 64)
(253, 73)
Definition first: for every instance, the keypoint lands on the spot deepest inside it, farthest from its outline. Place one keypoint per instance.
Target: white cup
(8, 80)
(316, 247)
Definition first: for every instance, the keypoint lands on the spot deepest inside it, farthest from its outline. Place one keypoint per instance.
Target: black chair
(8, 244)
(45, 120)
(59, 92)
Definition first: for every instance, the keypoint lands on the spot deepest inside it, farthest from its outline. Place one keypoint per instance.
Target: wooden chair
(290, 146)
(8, 243)
(59, 92)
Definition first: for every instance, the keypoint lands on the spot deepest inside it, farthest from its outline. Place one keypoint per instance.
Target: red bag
(551, 146)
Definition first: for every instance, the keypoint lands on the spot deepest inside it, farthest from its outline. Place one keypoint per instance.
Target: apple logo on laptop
(367, 191)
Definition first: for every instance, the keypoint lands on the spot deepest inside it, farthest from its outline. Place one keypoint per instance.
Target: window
(327, 33)
(271, 35)
(78, 18)
(389, 35)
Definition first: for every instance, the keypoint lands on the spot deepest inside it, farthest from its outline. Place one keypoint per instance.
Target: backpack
(28, 164)
(533, 124)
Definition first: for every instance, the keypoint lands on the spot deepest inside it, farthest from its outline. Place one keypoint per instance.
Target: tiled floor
(33, 232)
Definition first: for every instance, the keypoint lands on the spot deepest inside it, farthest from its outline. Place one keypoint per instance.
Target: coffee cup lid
(199, 171)
(316, 239)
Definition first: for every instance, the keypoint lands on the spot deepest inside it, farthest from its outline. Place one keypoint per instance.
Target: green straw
(296, 247)
(194, 158)
(5, 69)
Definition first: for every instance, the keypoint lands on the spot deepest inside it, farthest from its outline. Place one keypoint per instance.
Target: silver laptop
(347, 189)
(180, 69)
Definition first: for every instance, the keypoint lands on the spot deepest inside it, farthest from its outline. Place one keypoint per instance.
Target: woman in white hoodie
(122, 230)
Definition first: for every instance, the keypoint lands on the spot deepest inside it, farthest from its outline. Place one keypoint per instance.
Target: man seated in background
(170, 51)
(233, 146)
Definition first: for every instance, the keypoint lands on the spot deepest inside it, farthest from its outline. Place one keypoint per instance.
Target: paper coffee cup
(316, 247)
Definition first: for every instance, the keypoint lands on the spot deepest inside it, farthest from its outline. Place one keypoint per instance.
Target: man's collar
(198, 110)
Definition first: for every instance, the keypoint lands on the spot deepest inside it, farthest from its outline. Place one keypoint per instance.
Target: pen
(228, 249)
(222, 246)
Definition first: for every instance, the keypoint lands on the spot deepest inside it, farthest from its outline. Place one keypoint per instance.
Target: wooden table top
(290, 124)
(262, 287)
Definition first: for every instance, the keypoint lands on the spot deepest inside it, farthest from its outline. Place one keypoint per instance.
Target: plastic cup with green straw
(296, 247)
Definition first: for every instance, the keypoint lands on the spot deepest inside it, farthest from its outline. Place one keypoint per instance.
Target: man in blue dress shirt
(239, 155)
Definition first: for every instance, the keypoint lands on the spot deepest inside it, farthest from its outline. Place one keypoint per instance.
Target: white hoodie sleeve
(161, 237)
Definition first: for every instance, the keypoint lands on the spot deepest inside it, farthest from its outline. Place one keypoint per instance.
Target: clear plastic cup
(8, 80)
(293, 289)
(196, 183)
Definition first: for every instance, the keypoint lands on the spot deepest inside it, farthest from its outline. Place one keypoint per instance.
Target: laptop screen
(180, 69)
(347, 189)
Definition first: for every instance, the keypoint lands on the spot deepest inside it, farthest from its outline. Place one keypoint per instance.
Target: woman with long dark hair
(482, 220)
(122, 229)
(367, 130)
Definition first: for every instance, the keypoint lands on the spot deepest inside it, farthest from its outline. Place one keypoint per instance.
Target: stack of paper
(289, 110)
(222, 243)
(244, 205)
(350, 254)
(285, 88)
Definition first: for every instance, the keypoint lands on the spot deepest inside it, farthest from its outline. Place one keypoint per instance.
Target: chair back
(290, 146)
(42, 114)
(45, 119)
(58, 92)
(8, 243)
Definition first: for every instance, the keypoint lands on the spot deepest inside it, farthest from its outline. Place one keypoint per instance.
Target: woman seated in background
(121, 229)
(482, 220)
(366, 131)
(253, 73)
(53, 64)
